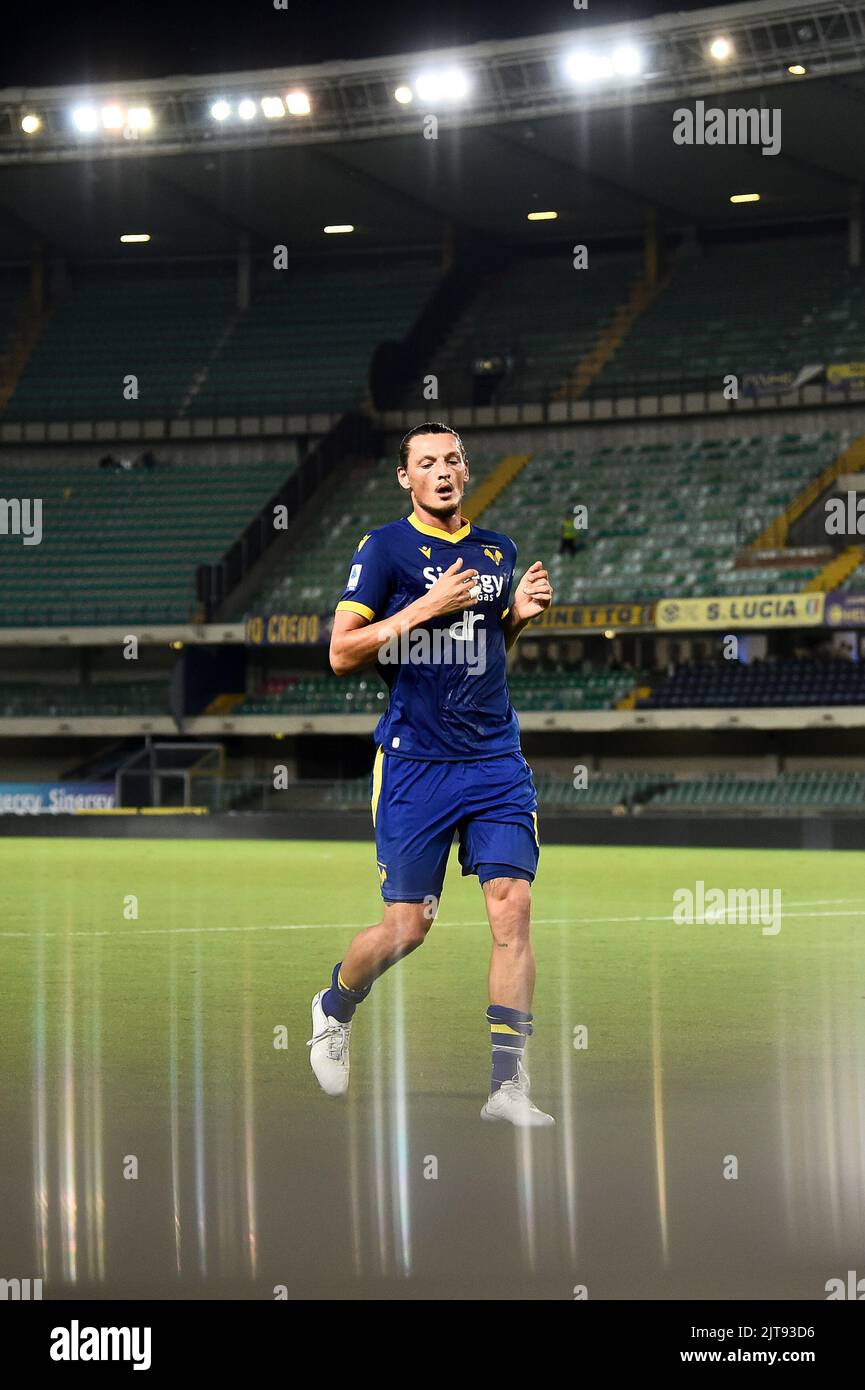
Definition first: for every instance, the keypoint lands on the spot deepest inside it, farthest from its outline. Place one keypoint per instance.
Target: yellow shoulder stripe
(348, 605)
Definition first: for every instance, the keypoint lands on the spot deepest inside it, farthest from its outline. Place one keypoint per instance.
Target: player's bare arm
(532, 595)
(355, 642)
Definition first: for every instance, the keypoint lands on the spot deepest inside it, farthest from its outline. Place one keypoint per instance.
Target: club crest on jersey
(426, 550)
(495, 555)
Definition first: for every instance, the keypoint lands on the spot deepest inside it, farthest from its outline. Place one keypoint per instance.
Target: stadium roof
(526, 138)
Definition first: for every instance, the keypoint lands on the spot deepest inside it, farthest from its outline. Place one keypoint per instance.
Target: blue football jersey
(447, 679)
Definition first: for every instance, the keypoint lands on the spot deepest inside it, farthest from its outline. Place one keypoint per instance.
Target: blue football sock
(510, 1030)
(339, 1001)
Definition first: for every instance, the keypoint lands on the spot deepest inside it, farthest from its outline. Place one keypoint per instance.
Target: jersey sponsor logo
(463, 630)
(492, 586)
(354, 576)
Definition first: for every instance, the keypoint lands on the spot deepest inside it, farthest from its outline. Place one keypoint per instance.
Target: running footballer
(436, 589)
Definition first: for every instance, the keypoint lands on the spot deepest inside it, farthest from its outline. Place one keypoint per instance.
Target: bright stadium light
(85, 119)
(297, 104)
(246, 109)
(140, 117)
(444, 84)
(30, 124)
(744, 197)
(541, 216)
(338, 228)
(797, 69)
(721, 49)
(112, 117)
(272, 107)
(403, 95)
(627, 61)
(129, 237)
(584, 66)
(220, 110)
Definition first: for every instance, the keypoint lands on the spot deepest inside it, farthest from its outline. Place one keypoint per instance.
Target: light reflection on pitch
(243, 1189)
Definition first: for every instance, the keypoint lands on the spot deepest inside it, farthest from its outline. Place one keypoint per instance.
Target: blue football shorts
(418, 806)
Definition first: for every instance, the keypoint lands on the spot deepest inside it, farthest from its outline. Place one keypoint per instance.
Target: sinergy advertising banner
(748, 610)
(55, 798)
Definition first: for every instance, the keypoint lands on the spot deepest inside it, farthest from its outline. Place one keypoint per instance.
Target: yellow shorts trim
(377, 769)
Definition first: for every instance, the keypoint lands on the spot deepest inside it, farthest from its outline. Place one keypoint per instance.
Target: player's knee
(409, 924)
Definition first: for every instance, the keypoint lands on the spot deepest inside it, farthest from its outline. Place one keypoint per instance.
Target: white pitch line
(358, 926)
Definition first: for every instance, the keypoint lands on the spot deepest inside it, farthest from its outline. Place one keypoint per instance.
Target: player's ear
(402, 478)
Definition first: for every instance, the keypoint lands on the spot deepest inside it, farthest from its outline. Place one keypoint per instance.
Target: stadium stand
(523, 314)
(304, 343)
(739, 307)
(787, 793)
(158, 328)
(768, 684)
(663, 518)
(123, 546)
(22, 699)
(367, 695)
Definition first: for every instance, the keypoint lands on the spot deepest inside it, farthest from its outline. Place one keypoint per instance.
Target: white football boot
(512, 1104)
(328, 1049)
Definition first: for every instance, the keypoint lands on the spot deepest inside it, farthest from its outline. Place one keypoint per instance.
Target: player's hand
(454, 590)
(533, 594)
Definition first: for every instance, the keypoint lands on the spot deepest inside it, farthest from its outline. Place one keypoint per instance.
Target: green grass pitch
(153, 1035)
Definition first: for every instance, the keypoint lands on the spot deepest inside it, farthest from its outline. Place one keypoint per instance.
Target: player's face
(436, 473)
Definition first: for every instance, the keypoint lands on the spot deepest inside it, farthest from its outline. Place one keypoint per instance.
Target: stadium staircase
(775, 535)
(494, 484)
(837, 571)
(731, 309)
(610, 339)
(664, 518)
(29, 327)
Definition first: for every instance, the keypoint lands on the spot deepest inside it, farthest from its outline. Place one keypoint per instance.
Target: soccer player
(428, 600)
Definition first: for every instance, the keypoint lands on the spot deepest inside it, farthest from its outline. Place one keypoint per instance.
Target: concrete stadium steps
(851, 459)
(610, 339)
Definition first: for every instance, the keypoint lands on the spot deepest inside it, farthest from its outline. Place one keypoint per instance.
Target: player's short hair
(431, 427)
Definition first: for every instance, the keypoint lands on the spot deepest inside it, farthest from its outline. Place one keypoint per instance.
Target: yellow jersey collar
(436, 531)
